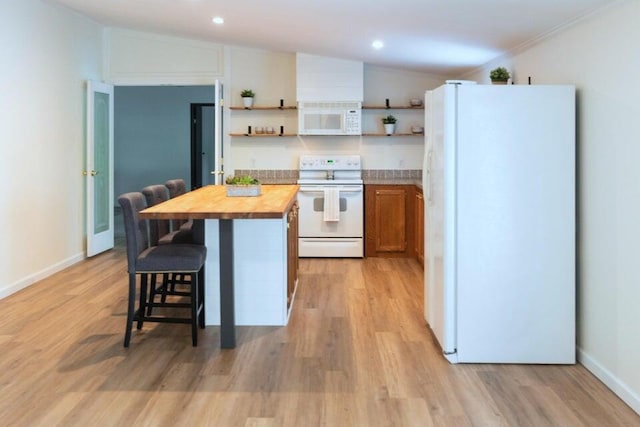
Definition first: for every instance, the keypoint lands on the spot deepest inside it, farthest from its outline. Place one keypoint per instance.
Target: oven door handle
(321, 190)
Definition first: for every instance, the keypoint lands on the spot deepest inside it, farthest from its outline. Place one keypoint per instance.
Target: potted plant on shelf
(499, 76)
(247, 98)
(389, 123)
(242, 186)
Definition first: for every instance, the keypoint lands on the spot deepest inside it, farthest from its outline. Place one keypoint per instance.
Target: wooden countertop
(211, 202)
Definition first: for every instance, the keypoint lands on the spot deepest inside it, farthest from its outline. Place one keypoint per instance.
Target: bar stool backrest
(135, 228)
(176, 188)
(155, 194)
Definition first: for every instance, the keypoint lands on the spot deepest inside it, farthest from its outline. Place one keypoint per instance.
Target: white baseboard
(44, 273)
(624, 392)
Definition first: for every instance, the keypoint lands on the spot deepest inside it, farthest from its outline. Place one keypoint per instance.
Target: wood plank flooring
(356, 352)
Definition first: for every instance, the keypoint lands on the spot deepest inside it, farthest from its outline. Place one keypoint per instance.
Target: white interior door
(99, 167)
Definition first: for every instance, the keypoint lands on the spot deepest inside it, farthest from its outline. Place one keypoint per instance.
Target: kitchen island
(246, 238)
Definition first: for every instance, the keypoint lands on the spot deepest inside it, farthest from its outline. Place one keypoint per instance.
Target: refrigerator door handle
(429, 183)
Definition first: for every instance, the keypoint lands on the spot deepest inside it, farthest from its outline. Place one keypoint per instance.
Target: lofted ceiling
(445, 37)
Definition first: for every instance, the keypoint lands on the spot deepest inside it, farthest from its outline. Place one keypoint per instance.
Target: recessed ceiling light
(218, 20)
(377, 44)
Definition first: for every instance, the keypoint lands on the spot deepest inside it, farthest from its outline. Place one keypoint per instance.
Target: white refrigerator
(500, 214)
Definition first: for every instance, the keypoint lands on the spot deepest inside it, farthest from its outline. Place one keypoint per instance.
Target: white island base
(260, 272)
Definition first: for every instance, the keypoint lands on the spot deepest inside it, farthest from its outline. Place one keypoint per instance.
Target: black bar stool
(144, 259)
(160, 234)
(176, 188)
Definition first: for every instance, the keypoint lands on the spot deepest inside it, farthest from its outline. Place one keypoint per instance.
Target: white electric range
(331, 200)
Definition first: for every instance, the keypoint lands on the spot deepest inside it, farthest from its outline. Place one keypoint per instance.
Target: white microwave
(329, 118)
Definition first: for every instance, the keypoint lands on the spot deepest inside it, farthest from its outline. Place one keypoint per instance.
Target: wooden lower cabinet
(389, 230)
(419, 221)
(292, 252)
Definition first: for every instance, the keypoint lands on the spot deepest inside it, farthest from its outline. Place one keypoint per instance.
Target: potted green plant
(242, 186)
(389, 123)
(499, 76)
(247, 97)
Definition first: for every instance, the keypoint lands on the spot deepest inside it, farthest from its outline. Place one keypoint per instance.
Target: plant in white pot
(242, 186)
(247, 98)
(389, 123)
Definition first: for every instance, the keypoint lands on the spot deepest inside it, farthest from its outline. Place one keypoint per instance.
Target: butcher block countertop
(211, 202)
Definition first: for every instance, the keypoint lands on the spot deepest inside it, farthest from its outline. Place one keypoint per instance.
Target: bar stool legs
(170, 260)
(143, 313)
(131, 306)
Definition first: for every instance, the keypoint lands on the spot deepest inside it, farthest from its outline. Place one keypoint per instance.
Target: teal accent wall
(152, 135)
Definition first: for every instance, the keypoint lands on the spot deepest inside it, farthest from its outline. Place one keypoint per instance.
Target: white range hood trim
(324, 79)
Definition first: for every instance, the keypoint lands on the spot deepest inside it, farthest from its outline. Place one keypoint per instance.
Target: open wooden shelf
(393, 134)
(262, 135)
(364, 107)
(392, 107)
(286, 107)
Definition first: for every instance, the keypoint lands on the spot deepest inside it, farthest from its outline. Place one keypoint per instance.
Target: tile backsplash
(268, 173)
(392, 174)
(292, 174)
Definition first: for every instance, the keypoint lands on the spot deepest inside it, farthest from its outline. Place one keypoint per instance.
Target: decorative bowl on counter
(415, 102)
(417, 129)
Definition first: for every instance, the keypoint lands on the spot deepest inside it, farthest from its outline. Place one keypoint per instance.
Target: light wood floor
(356, 353)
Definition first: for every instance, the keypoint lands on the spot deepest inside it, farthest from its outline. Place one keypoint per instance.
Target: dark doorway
(202, 145)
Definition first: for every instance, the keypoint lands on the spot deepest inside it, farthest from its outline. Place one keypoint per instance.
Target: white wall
(134, 58)
(273, 77)
(399, 86)
(600, 56)
(47, 55)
